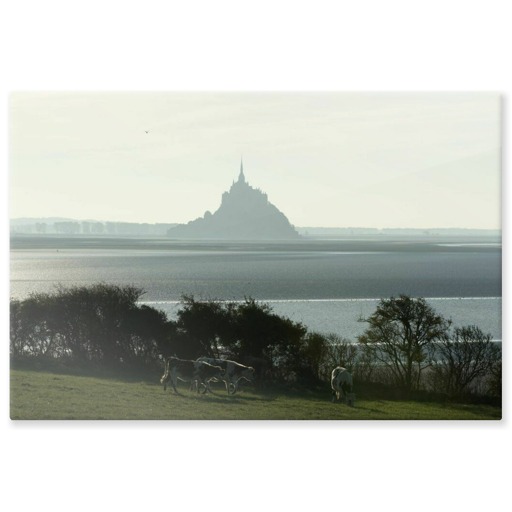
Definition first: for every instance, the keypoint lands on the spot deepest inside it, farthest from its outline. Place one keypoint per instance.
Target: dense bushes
(99, 327)
(407, 346)
(248, 332)
(105, 327)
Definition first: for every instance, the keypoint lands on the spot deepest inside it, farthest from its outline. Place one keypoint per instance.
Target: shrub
(100, 326)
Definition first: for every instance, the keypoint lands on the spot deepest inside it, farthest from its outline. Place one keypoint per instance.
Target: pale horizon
(326, 160)
(430, 228)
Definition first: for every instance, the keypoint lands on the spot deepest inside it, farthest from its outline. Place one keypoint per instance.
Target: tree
(462, 358)
(401, 334)
(260, 333)
(207, 324)
(247, 331)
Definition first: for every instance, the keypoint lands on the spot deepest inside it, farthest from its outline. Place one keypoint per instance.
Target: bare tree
(463, 358)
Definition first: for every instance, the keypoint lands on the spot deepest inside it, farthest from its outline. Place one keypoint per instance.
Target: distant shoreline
(448, 232)
(72, 227)
(347, 244)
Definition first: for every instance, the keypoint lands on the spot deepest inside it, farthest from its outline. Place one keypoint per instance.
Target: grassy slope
(37, 395)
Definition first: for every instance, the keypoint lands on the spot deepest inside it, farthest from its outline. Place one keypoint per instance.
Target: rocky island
(245, 213)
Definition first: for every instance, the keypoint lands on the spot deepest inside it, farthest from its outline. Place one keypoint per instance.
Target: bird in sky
(147, 131)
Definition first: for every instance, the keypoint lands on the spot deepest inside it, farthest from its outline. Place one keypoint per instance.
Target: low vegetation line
(407, 351)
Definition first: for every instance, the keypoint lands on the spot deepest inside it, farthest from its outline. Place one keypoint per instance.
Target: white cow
(195, 372)
(233, 372)
(341, 383)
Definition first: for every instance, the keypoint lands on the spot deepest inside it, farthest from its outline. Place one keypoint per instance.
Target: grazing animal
(341, 383)
(233, 373)
(189, 371)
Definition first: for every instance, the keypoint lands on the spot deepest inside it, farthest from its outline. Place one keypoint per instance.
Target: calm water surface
(328, 285)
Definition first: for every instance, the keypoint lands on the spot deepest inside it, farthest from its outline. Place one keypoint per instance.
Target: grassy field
(39, 395)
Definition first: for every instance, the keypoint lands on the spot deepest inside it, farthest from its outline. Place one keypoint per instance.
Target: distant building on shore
(245, 213)
(71, 227)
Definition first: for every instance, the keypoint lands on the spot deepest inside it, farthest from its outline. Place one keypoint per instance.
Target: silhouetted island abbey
(244, 214)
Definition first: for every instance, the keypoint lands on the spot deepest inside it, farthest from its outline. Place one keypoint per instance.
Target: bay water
(329, 285)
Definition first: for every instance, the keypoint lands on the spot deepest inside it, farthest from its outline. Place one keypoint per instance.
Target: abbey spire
(241, 177)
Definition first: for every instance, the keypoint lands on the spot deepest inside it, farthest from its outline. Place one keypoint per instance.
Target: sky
(325, 159)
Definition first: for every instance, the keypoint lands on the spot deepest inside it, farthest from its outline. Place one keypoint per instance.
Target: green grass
(40, 395)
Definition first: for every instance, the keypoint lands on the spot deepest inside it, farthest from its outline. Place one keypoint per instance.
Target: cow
(233, 372)
(341, 383)
(189, 371)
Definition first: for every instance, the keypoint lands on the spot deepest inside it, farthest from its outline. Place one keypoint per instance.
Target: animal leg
(174, 382)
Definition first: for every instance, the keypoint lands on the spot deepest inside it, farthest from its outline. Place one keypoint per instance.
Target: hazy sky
(324, 159)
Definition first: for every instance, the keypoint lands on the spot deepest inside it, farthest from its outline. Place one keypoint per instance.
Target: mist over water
(322, 283)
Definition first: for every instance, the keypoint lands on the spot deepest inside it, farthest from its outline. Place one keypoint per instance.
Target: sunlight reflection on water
(327, 289)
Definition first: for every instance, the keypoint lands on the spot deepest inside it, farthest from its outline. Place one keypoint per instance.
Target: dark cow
(341, 383)
(233, 372)
(199, 372)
